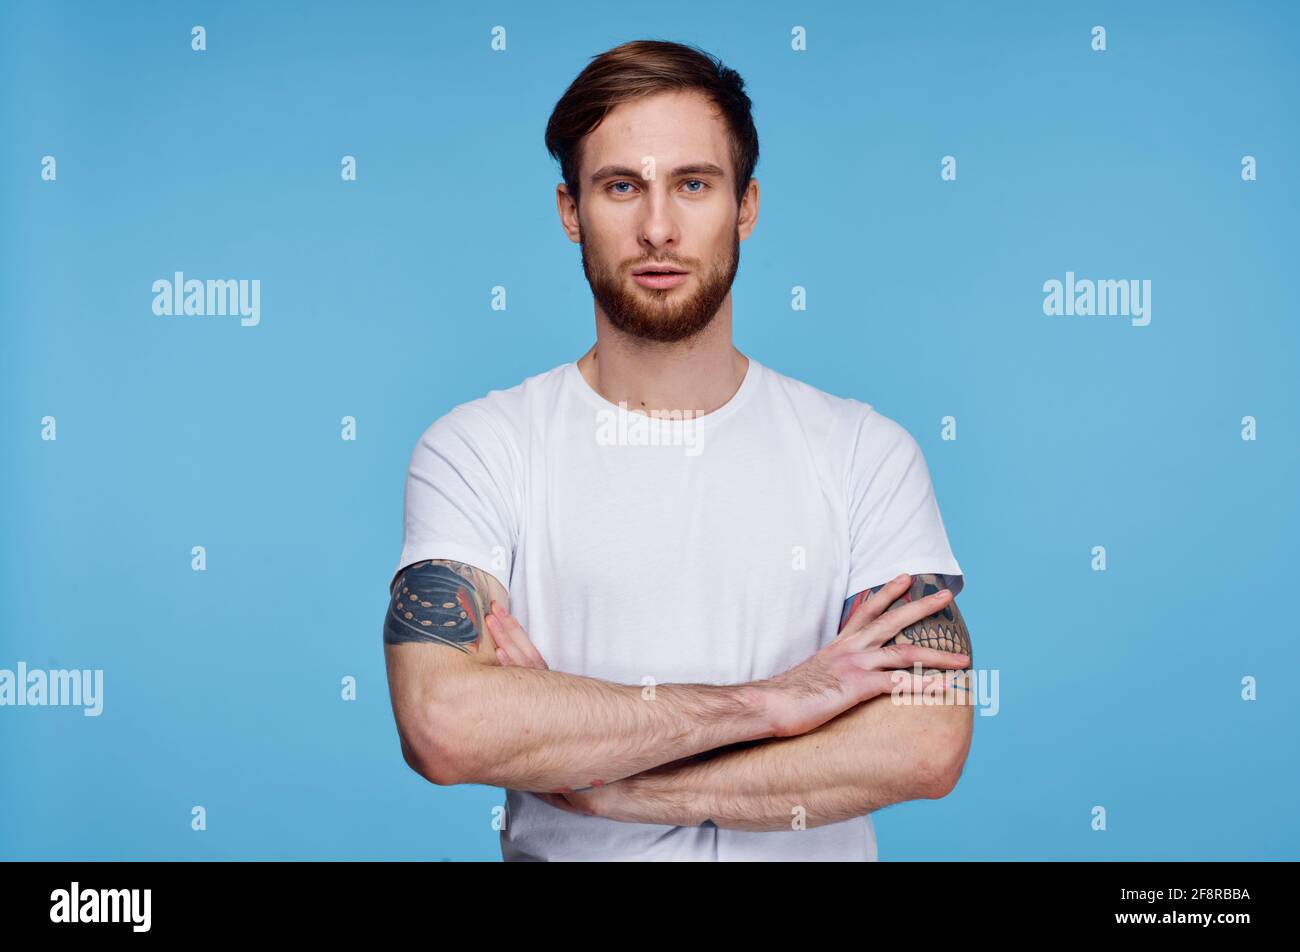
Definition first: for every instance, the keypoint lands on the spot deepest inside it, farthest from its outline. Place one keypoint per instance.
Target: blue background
(1118, 688)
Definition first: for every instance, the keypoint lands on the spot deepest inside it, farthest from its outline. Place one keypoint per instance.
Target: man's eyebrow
(623, 171)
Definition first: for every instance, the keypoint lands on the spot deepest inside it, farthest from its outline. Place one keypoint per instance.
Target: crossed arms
(746, 756)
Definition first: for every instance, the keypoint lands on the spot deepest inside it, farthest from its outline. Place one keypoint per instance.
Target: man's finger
(904, 656)
(874, 605)
(505, 644)
(523, 644)
(909, 683)
(505, 638)
(894, 620)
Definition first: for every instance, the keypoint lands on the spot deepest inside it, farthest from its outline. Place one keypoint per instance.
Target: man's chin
(659, 329)
(664, 316)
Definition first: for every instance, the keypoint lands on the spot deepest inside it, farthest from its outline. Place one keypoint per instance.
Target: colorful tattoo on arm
(440, 601)
(945, 629)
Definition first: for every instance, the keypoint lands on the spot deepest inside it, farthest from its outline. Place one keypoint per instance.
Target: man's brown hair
(642, 68)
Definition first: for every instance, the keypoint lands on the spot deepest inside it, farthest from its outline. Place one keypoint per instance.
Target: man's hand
(513, 644)
(857, 665)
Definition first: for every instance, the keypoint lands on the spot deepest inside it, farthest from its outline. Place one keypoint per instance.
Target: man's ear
(567, 209)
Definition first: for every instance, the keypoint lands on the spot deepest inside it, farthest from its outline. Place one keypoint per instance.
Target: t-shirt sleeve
(462, 495)
(894, 521)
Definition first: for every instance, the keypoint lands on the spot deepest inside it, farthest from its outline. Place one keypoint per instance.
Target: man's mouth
(657, 278)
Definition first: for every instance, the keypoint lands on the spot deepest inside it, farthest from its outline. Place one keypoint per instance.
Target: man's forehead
(673, 128)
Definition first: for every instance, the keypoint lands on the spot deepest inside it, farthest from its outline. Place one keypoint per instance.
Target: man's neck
(696, 376)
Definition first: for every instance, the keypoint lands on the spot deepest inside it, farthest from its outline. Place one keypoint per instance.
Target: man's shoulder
(811, 401)
(847, 422)
(506, 410)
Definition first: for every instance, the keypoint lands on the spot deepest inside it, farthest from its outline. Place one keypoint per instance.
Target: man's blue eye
(696, 191)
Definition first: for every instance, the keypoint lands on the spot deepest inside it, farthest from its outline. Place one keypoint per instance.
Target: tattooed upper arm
(440, 601)
(945, 629)
(434, 602)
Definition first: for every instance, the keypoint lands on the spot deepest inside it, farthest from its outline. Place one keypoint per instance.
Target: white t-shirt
(717, 549)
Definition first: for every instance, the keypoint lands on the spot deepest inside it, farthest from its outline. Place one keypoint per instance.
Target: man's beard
(662, 315)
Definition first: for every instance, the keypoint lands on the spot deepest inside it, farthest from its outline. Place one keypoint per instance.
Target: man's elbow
(947, 757)
(430, 748)
(941, 781)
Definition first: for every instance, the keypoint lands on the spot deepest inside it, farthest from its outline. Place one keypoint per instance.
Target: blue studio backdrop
(1120, 489)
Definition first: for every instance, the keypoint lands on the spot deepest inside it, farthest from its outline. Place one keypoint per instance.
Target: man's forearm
(872, 755)
(536, 730)
(867, 758)
(463, 721)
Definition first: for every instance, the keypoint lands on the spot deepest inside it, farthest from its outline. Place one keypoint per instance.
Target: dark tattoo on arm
(440, 602)
(945, 629)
